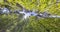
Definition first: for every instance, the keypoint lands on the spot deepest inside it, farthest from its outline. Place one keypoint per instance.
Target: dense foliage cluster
(15, 23)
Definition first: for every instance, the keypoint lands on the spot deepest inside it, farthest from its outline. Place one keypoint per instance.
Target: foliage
(14, 23)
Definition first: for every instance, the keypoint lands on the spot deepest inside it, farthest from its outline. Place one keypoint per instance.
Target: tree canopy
(15, 23)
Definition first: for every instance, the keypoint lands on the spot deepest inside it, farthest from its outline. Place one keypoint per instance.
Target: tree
(15, 23)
